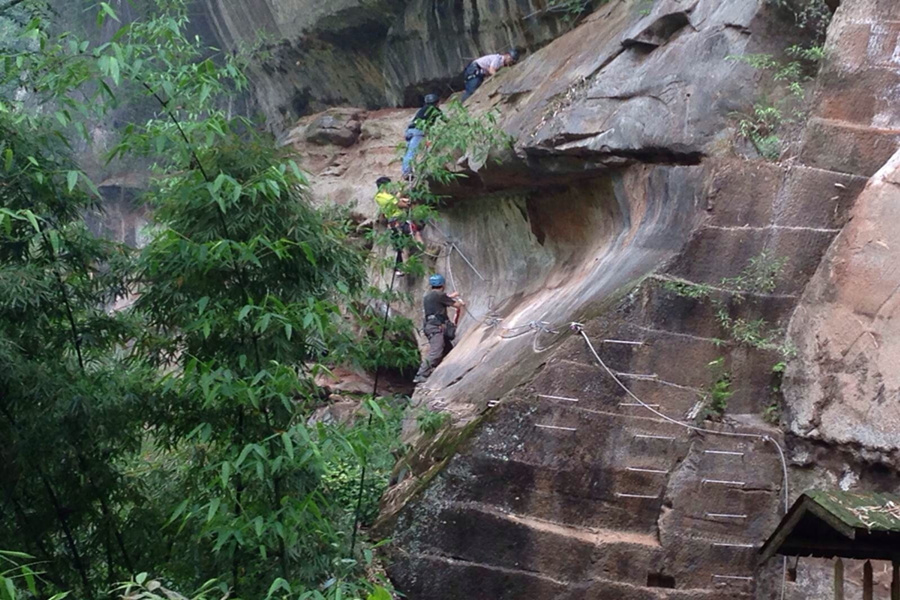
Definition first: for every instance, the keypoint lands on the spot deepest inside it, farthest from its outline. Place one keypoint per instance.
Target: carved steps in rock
(581, 497)
(483, 534)
(592, 386)
(480, 581)
(707, 564)
(614, 416)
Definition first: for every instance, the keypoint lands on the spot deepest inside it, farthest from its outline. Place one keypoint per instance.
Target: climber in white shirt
(486, 66)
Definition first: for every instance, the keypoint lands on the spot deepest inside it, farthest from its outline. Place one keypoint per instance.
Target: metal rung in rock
(723, 482)
(556, 428)
(493, 403)
(724, 545)
(725, 516)
(642, 496)
(626, 342)
(733, 577)
(638, 404)
(723, 452)
(567, 399)
(641, 470)
(642, 436)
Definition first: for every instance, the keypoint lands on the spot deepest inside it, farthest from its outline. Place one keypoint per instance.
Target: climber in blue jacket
(424, 119)
(486, 66)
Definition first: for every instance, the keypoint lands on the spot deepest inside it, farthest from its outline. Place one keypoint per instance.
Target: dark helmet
(382, 181)
(431, 99)
(513, 54)
(436, 280)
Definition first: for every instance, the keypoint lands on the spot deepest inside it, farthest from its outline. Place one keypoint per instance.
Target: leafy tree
(62, 378)
(180, 430)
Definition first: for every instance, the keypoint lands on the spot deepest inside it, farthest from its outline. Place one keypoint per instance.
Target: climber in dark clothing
(439, 329)
(424, 119)
(486, 66)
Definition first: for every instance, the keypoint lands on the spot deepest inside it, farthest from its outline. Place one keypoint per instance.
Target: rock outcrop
(845, 385)
(624, 209)
(370, 54)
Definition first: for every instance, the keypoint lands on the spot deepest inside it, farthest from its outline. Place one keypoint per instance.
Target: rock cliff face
(371, 54)
(625, 209)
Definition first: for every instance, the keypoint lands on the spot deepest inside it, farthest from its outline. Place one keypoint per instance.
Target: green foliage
(715, 399)
(572, 9)
(460, 134)
(760, 276)
(645, 7)
(431, 421)
(181, 434)
(762, 126)
(377, 340)
(773, 412)
(686, 289)
(21, 577)
(760, 129)
(810, 15)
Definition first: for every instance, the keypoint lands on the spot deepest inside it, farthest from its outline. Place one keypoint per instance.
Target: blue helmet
(436, 280)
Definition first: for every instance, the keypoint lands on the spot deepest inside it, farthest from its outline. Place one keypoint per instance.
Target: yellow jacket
(388, 204)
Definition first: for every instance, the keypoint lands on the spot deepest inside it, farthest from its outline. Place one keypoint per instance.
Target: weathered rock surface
(845, 387)
(856, 128)
(553, 481)
(621, 185)
(370, 54)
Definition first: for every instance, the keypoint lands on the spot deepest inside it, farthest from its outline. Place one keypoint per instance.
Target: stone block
(838, 146)
(338, 127)
(816, 198)
(867, 97)
(742, 193)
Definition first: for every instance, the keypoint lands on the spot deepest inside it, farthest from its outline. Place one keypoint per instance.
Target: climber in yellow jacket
(395, 211)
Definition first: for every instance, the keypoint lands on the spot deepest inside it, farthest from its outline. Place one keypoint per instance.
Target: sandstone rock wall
(844, 387)
(623, 185)
(370, 54)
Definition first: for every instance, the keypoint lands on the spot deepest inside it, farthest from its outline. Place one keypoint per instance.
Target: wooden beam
(785, 528)
(838, 579)
(830, 549)
(835, 523)
(801, 508)
(868, 587)
(895, 583)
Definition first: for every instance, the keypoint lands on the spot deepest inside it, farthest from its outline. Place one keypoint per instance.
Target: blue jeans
(474, 77)
(413, 139)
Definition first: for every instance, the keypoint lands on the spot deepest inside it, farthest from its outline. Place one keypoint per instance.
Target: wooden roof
(862, 525)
